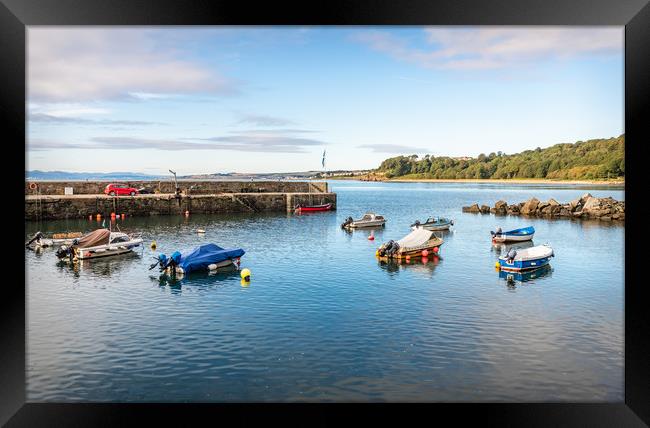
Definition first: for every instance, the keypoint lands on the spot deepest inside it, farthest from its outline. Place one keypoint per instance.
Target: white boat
(527, 258)
(412, 245)
(433, 223)
(368, 220)
(99, 243)
(516, 235)
(39, 241)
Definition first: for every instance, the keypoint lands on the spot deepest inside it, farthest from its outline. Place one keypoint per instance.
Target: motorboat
(99, 243)
(515, 235)
(418, 243)
(526, 259)
(207, 258)
(39, 241)
(312, 208)
(368, 220)
(434, 223)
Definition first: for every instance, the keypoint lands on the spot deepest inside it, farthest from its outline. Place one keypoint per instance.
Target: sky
(272, 99)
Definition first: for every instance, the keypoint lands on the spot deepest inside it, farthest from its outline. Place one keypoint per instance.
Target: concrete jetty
(49, 201)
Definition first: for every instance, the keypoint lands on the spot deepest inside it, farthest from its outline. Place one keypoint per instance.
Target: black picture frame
(15, 15)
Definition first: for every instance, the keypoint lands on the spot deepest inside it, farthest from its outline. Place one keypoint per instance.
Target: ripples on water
(323, 320)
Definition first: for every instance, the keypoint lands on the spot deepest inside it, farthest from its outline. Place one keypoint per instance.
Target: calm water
(322, 320)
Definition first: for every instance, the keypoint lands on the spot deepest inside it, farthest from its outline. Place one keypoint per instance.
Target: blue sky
(271, 99)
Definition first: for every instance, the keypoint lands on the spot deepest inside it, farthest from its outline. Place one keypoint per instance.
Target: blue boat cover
(205, 255)
(523, 231)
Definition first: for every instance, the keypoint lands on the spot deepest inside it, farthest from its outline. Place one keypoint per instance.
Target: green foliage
(593, 159)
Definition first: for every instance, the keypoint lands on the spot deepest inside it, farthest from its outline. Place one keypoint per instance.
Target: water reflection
(198, 279)
(512, 278)
(105, 267)
(421, 265)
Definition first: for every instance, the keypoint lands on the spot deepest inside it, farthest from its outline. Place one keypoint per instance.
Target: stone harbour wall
(587, 207)
(54, 207)
(195, 187)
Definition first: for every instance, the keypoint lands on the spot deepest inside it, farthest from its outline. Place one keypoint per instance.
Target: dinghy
(516, 235)
(39, 241)
(99, 243)
(526, 259)
(416, 244)
(207, 258)
(434, 223)
(368, 220)
(312, 208)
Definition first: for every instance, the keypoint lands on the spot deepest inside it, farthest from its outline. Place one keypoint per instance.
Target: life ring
(33, 186)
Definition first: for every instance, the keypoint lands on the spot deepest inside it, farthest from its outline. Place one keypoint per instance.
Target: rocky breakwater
(587, 207)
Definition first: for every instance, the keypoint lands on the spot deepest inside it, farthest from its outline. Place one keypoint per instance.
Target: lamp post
(175, 182)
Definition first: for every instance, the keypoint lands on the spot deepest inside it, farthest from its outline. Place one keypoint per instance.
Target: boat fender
(212, 266)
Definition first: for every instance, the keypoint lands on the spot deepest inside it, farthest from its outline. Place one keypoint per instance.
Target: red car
(120, 189)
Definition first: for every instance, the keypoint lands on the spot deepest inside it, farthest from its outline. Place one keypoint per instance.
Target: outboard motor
(349, 220)
(511, 255)
(36, 237)
(416, 224)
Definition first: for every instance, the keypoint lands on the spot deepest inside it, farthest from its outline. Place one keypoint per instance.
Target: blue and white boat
(206, 258)
(516, 235)
(526, 259)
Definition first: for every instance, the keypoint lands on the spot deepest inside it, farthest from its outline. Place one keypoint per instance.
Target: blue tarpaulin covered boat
(523, 234)
(206, 257)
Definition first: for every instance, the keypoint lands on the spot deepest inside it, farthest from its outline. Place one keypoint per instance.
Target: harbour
(323, 319)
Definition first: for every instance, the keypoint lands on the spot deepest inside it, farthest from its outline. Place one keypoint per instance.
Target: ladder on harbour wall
(244, 203)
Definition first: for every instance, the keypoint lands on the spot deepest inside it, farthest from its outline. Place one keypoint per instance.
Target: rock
(471, 209)
(584, 197)
(512, 209)
(500, 207)
(573, 204)
(530, 206)
(493, 210)
(565, 212)
(577, 214)
(500, 204)
(553, 202)
(485, 209)
(542, 205)
(591, 203)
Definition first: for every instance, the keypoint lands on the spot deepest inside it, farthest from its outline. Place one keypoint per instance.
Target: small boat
(434, 223)
(523, 234)
(99, 243)
(312, 208)
(526, 259)
(39, 241)
(412, 245)
(208, 258)
(368, 220)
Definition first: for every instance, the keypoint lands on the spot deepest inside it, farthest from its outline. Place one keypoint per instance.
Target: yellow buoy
(246, 274)
(153, 245)
(497, 265)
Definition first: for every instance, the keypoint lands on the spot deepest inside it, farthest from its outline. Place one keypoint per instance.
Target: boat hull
(512, 238)
(433, 227)
(326, 207)
(107, 250)
(532, 258)
(366, 224)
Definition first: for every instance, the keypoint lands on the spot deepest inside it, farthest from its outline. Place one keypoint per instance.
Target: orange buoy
(435, 250)
(408, 258)
(112, 215)
(123, 216)
(99, 217)
(425, 253)
(371, 238)
(187, 212)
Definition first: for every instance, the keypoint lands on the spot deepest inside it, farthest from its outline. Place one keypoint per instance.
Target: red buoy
(435, 250)
(425, 253)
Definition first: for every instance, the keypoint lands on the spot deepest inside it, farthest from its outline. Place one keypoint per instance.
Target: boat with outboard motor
(207, 257)
(39, 241)
(526, 259)
(312, 208)
(522, 234)
(418, 243)
(434, 223)
(99, 243)
(368, 220)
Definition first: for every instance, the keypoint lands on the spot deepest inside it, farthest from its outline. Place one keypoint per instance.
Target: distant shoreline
(618, 183)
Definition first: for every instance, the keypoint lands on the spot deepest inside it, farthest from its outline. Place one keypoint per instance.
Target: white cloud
(394, 148)
(480, 48)
(89, 64)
